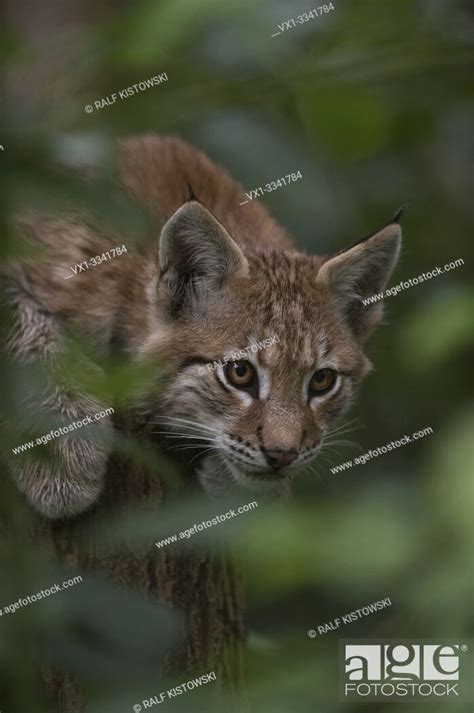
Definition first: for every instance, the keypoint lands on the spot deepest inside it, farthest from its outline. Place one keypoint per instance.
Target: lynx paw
(71, 481)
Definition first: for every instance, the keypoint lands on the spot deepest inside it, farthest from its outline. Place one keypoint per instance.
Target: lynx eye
(322, 381)
(241, 374)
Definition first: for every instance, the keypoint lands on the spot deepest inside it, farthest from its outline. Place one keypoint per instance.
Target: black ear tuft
(398, 215)
(192, 195)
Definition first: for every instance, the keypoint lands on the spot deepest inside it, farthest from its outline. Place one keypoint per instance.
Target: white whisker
(343, 426)
(352, 444)
(331, 450)
(193, 436)
(177, 421)
(315, 472)
(189, 447)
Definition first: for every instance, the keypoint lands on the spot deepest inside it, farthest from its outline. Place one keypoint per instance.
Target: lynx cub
(218, 278)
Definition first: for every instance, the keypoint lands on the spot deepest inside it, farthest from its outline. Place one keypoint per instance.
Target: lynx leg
(71, 479)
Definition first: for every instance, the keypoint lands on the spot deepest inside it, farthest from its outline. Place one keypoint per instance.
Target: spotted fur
(219, 277)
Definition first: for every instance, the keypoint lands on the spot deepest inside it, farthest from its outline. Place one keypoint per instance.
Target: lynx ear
(359, 272)
(197, 256)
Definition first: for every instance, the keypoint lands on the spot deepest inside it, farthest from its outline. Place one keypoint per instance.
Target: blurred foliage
(373, 103)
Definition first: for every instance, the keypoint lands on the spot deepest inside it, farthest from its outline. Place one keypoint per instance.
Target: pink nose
(280, 457)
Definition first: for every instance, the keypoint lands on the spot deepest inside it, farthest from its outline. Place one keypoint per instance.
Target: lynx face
(255, 420)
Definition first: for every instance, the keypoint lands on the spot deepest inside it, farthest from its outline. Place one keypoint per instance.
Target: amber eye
(322, 381)
(240, 374)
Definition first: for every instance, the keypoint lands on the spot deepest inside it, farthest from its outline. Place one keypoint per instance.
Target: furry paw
(71, 479)
(56, 493)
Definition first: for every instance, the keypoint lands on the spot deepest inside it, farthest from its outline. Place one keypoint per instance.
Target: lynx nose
(280, 457)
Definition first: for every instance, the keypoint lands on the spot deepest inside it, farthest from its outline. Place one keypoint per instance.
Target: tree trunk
(206, 588)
